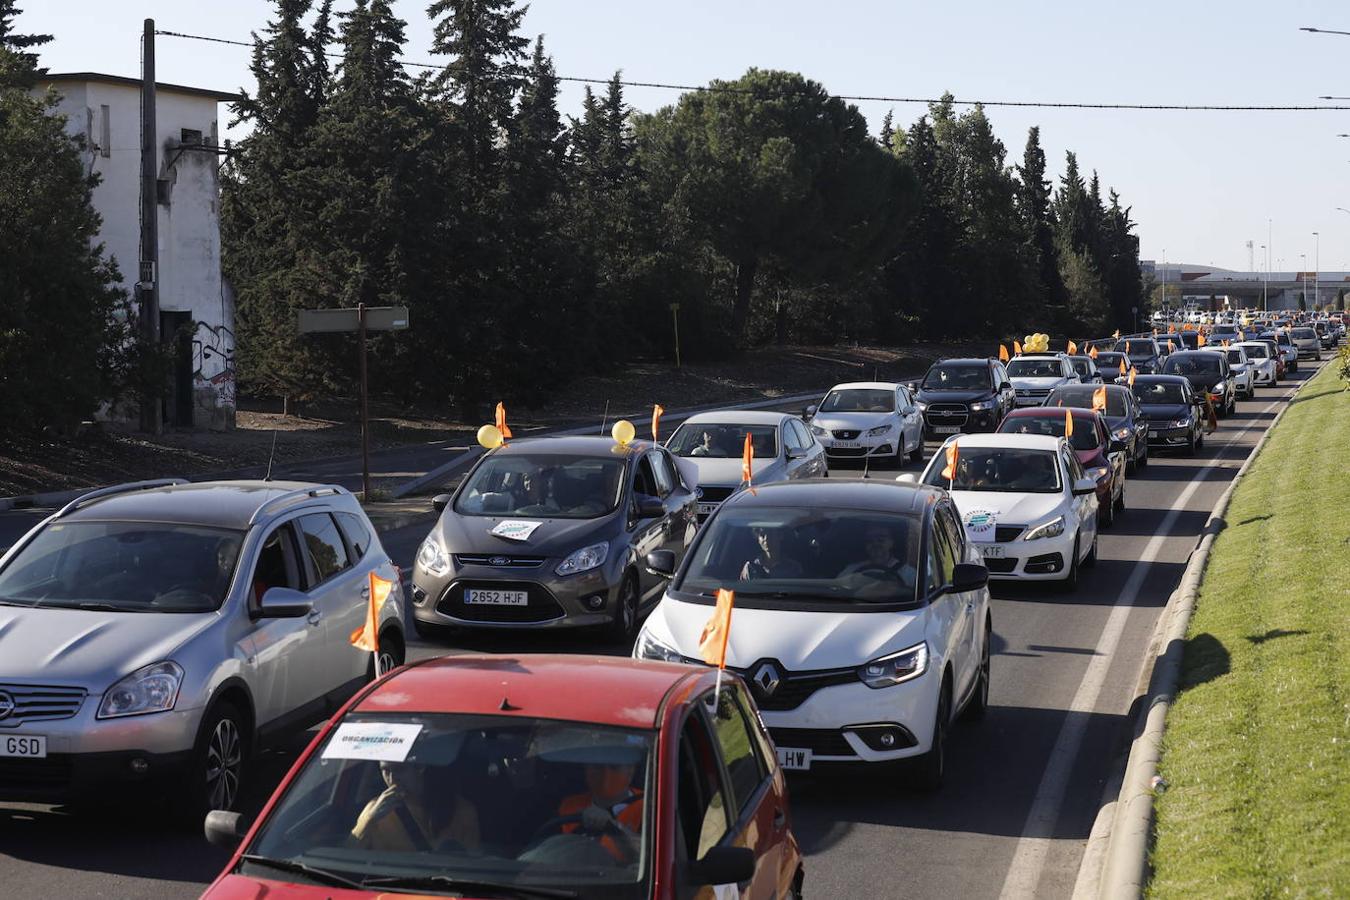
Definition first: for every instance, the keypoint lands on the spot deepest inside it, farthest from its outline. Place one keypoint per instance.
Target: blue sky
(1201, 183)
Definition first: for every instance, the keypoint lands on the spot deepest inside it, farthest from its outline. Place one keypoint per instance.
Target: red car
(1103, 458)
(526, 776)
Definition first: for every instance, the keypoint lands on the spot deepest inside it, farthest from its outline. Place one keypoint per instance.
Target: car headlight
(1182, 423)
(1218, 388)
(817, 430)
(1053, 528)
(982, 405)
(921, 405)
(1121, 434)
(431, 556)
(584, 560)
(878, 431)
(150, 689)
(896, 668)
(1099, 472)
(648, 647)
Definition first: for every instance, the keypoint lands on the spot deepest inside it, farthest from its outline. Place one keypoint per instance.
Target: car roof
(603, 690)
(867, 385)
(570, 445)
(738, 417)
(1041, 354)
(1180, 354)
(964, 360)
(1027, 441)
(1161, 379)
(216, 504)
(1046, 412)
(882, 495)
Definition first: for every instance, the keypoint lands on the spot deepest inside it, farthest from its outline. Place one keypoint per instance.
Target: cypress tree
(1038, 225)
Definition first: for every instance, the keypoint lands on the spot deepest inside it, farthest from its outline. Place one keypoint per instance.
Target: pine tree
(1086, 310)
(1038, 224)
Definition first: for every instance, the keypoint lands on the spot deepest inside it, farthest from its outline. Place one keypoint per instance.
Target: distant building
(1207, 287)
(196, 303)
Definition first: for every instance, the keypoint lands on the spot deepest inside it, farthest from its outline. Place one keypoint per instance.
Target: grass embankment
(1257, 748)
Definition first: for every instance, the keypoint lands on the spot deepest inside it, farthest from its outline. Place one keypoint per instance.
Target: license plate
(28, 746)
(707, 509)
(1153, 434)
(497, 598)
(946, 429)
(847, 445)
(994, 552)
(798, 760)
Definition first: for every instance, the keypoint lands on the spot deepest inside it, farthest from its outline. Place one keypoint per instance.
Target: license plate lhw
(796, 759)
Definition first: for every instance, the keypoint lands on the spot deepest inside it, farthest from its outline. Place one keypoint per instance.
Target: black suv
(964, 396)
(1143, 353)
(1209, 374)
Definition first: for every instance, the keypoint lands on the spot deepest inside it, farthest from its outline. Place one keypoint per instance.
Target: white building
(195, 300)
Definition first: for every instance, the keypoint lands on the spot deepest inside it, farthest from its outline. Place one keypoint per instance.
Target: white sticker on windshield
(980, 525)
(515, 531)
(383, 741)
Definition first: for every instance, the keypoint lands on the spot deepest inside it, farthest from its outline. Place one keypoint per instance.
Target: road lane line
(1028, 863)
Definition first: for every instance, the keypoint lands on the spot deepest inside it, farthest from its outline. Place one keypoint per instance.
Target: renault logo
(766, 677)
(6, 705)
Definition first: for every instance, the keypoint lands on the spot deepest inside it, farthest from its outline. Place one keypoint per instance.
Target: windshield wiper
(294, 865)
(461, 885)
(105, 607)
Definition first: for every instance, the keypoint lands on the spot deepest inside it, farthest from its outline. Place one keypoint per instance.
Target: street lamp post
(1317, 270)
(1303, 270)
(1265, 283)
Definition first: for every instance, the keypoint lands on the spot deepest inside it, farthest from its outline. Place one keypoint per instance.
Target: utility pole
(1317, 270)
(365, 404)
(148, 283)
(1251, 259)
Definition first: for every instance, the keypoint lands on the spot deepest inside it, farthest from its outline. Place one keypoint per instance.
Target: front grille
(794, 689)
(712, 494)
(1005, 533)
(947, 414)
(542, 606)
(41, 702)
(850, 434)
(820, 741)
(846, 451)
(1001, 565)
(498, 560)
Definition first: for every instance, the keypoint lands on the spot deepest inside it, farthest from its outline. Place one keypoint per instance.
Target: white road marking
(1024, 874)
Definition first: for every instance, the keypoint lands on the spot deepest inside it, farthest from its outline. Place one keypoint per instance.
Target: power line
(730, 89)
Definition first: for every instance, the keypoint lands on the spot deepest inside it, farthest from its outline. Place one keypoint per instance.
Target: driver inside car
(412, 815)
(771, 561)
(881, 562)
(611, 808)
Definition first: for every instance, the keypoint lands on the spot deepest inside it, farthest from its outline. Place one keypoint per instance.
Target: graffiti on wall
(213, 350)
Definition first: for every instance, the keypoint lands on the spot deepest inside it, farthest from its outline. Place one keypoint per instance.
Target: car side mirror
(661, 563)
(968, 577)
(724, 865)
(440, 502)
(224, 828)
(284, 603)
(809, 412)
(908, 478)
(1084, 486)
(649, 507)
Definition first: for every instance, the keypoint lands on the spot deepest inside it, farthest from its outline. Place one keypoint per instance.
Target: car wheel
(431, 632)
(1090, 560)
(623, 629)
(1142, 461)
(391, 653)
(1120, 501)
(216, 771)
(1106, 515)
(978, 704)
(931, 766)
(1070, 582)
(916, 455)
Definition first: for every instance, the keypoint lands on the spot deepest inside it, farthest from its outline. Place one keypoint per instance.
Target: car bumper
(939, 429)
(841, 724)
(1031, 400)
(573, 601)
(863, 446)
(1169, 437)
(1044, 559)
(1309, 352)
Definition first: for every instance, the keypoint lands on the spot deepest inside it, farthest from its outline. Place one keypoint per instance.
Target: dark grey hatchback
(550, 533)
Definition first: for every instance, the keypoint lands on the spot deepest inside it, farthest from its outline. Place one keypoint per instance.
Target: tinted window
(1035, 368)
(723, 440)
(944, 555)
(957, 378)
(324, 544)
(859, 400)
(946, 517)
(744, 769)
(358, 535)
(665, 479)
(793, 437)
(279, 565)
(1081, 395)
(1138, 349)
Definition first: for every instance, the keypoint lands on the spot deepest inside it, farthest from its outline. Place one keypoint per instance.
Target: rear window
(1081, 395)
(1084, 428)
(1199, 364)
(1035, 368)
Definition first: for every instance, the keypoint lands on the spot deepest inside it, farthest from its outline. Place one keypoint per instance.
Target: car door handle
(314, 617)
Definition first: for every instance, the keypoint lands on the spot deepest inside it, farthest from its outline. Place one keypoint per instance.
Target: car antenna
(506, 705)
(604, 420)
(271, 456)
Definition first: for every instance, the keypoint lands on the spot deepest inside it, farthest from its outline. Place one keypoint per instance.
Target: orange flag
(1092, 352)
(1133, 373)
(1200, 340)
(1002, 353)
(501, 421)
(657, 412)
(1122, 365)
(949, 472)
(1017, 348)
(1099, 398)
(712, 644)
(1073, 348)
(747, 459)
(1068, 424)
(367, 637)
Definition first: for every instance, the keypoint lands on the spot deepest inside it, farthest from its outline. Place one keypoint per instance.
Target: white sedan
(1026, 502)
(1260, 360)
(868, 420)
(1244, 375)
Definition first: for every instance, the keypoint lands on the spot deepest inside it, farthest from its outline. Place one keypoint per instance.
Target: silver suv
(163, 632)
(1035, 375)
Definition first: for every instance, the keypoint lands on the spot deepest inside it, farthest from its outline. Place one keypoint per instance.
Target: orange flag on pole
(367, 637)
(501, 421)
(1002, 353)
(1068, 424)
(657, 412)
(1017, 348)
(712, 644)
(747, 459)
(1073, 348)
(1133, 373)
(1092, 352)
(1122, 365)
(1200, 340)
(949, 471)
(1099, 397)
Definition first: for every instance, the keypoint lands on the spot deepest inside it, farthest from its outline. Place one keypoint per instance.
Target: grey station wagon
(162, 632)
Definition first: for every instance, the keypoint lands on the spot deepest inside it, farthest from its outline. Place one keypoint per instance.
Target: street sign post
(361, 319)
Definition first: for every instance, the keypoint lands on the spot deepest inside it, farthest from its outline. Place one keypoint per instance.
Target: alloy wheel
(224, 759)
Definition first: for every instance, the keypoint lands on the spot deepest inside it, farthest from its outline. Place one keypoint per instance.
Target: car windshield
(1257, 351)
(859, 400)
(957, 378)
(1084, 429)
(786, 556)
(555, 486)
(1304, 334)
(402, 801)
(1082, 365)
(1235, 357)
(1160, 393)
(1110, 362)
(123, 567)
(1138, 349)
(720, 440)
(1035, 368)
(1206, 365)
(1004, 469)
(1081, 395)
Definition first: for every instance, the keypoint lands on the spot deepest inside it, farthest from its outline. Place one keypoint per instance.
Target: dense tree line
(531, 247)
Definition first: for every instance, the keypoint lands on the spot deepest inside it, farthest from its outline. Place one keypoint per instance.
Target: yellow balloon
(623, 431)
(489, 437)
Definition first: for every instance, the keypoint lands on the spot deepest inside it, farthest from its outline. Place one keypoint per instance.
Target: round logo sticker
(980, 524)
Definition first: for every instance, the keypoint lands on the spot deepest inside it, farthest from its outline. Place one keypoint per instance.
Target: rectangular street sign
(378, 318)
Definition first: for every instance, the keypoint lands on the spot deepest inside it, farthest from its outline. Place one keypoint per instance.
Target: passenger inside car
(772, 560)
(419, 810)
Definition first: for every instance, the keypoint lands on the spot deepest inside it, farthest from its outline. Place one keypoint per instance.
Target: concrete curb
(1122, 853)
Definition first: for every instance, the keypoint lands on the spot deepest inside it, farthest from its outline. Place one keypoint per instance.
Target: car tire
(623, 629)
(978, 704)
(217, 769)
(392, 653)
(1120, 501)
(1070, 580)
(1106, 515)
(916, 455)
(1090, 561)
(1142, 461)
(428, 631)
(930, 767)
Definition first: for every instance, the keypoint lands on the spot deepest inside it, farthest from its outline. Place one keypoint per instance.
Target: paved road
(1025, 783)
